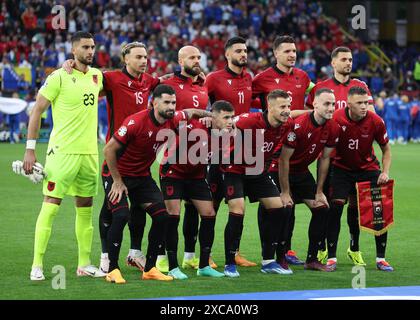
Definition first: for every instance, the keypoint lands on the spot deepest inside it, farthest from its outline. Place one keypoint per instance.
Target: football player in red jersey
(250, 178)
(233, 84)
(315, 133)
(191, 92)
(187, 180)
(340, 83)
(188, 85)
(353, 162)
(283, 75)
(129, 155)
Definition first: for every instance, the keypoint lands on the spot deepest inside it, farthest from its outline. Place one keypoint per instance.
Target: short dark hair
(337, 50)
(323, 90)
(277, 94)
(233, 41)
(80, 35)
(127, 48)
(360, 91)
(282, 39)
(222, 105)
(162, 89)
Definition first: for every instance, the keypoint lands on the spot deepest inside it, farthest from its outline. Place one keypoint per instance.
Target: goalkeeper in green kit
(72, 156)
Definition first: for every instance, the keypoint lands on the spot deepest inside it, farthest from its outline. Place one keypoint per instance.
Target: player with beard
(296, 82)
(129, 155)
(72, 156)
(127, 92)
(341, 83)
(191, 92)
(355, 161)
(232, 84)
(250, 178)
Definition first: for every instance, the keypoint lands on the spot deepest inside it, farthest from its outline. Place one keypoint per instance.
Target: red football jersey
(310, 140)
(188, 94)
(341, 91)
(295, 84)
(200, 148)
(257, 123)
(125, 95)
(232, 87)
(354, 150)
(138, 135)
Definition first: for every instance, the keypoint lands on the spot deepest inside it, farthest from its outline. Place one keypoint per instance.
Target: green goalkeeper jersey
(74, 101)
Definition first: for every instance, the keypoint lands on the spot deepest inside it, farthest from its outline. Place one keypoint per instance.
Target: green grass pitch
(21, 201)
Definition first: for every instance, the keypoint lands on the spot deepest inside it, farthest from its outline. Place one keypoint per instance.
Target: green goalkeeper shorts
(71, 174)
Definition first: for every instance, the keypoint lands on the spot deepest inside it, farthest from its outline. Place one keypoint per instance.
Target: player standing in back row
(340, 84)
(191, 92)
(232, 84)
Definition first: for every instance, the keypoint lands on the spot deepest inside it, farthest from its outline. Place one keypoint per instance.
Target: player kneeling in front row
(313, 133)
(251, 179)
(188, 181)
(355, 161)
(129, 155)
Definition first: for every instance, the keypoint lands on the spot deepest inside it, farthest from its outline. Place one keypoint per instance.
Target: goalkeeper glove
(37, 175)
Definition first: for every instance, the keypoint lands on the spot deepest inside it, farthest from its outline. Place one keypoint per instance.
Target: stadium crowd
(31, 49)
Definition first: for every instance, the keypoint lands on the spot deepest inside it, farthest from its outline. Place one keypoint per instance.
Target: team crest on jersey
(130, 123)
(150, 133)
(169, 190)
(277, 80)
(291, 136)
(122, 131)
(365, 132)
(213, 187)
(324, 136)
(95, 79)
(51, 186)
(309, 134)
(297, 126)
(344, 128)
(298, 86)
(181, 86)
(129, 83)
(73, 79)
(230, 190)
(229, 81)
